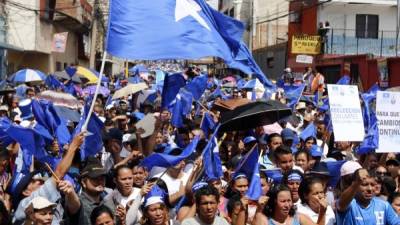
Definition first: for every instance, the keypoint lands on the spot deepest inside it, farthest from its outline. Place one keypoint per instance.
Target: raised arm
(66, 161)
(347, 196)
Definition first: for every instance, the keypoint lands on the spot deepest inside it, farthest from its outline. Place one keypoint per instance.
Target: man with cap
(51, 187)
(357, 203)
(40, 211)
(93, 187)
(113, 146)
(288, 137)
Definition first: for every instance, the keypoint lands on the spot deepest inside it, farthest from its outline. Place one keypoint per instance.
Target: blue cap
(315, 151)
(156, 195)
(197, 186)
(26, 109)
(249, 139)
(287, 134)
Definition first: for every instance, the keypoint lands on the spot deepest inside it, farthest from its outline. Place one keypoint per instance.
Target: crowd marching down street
(168, 144)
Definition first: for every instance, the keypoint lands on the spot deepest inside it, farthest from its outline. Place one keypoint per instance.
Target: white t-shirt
(173, 184)
(123, 200)
(306, 210)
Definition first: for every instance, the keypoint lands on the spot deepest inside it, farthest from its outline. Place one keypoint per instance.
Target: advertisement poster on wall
(60, 42)
(383, 73)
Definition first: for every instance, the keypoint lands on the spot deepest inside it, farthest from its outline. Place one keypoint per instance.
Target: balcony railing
(346, 42)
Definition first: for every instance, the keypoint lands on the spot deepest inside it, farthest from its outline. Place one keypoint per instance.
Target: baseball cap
(349, 167)
(128, 138)
(287, 134)
(113, 133)
(301, 105)
(249, 139)
(41, 203)
(93, 168)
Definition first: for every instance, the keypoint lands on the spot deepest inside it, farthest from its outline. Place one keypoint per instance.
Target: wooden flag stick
(52, 172)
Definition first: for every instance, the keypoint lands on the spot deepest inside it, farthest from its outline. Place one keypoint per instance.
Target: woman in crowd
(102, 215)
(302, 159)
(280, 210)
(394, 200)
(292, 180)
(312, 192)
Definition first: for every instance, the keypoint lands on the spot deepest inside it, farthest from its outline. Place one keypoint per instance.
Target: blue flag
(93, 143)
(181, 107)
(207, 123)
(334, 172)
(344, 80)
(172, 84)
(53, 83)
(32, 142)
(250, 167)
(368, 97)
(47, 117)
(165, 160)
(371, 140)
(293, 96)
(177, 29)
(309, 131)
(197, 86)
(211, 159)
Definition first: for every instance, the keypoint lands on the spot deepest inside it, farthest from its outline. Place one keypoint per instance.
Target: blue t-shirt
(378, 212)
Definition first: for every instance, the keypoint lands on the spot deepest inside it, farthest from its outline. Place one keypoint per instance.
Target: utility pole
(92, 60)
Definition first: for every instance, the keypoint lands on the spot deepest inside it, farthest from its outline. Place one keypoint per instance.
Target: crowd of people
(114, 186)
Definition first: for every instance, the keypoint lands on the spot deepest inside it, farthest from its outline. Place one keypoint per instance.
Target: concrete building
(32, 25)
(357, 35)
(269, 35)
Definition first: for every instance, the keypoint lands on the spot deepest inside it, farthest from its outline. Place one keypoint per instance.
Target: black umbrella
(6, 88)
(253, 115)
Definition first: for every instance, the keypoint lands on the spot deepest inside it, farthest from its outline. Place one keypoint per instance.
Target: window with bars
(367, 26)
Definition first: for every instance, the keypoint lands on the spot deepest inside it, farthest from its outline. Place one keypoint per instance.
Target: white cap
(301, 105)
(41, 203)
(349, 167)
(3, 108)
(153, 200)
(127, 138)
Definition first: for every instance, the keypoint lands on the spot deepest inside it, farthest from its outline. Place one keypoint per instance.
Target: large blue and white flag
(177, 29)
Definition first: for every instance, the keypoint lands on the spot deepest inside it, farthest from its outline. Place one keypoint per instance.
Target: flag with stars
(177, 29)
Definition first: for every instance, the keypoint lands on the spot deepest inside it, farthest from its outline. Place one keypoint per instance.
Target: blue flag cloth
(197, 86)
(32, 142)
(368, 97)
(207, 123)
(250, 167)
(211, 159)
(293, 96)
(334, 172)
(370, 142)
(177, 29)
(309, 131)
(344, 80)
(93, 143)
(70, 88)
(172, 84)
(47, 117)
(53, 83)
(181, 107)
(165, 160)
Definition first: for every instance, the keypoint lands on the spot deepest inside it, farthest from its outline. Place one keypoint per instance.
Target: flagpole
(103, 62)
